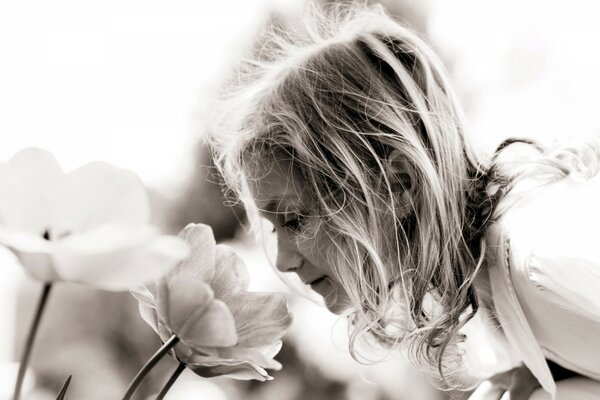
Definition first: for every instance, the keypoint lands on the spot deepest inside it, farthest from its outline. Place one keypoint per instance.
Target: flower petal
(194, 316)
(144, 295)
(261, 318)
(117, 257)
(262, 355)
(29, 184)
(231, 275)
(38, 265)
(23, 241)
(216, 328)
(231, 369)
(33, 253)
(99, 193)
(186, 300)
(146, 305)
(201, 262)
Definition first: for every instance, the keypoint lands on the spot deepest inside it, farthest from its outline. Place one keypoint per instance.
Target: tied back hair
(337, 98)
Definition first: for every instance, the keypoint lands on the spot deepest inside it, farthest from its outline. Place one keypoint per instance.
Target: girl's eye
(293, 222)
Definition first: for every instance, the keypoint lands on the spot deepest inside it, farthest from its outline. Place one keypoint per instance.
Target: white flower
(223, 328)
(88, 226)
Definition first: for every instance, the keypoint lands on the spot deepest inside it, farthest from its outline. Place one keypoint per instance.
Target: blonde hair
(337, 99)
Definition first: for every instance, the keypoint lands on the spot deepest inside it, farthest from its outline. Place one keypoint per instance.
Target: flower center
(56, 234)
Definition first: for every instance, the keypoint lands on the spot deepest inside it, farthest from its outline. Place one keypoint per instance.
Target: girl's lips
(317, 281)
(331, 293)
(321, 285)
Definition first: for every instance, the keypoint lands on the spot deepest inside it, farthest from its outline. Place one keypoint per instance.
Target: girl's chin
(333, 296)
(337, 307)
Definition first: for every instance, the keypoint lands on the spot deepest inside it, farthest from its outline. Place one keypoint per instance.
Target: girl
(350, 140)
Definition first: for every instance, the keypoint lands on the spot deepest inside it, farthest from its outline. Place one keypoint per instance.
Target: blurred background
(129, 81)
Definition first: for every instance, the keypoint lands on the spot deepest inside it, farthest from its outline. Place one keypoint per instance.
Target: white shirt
(544, 270)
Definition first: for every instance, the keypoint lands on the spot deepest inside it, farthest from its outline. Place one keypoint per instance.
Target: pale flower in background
(88, 226)
(223, 328)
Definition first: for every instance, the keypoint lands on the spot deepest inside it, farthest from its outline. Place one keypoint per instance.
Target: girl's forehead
(280, 185)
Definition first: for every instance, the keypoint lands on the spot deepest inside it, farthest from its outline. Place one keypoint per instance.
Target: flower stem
(30, 339)
(135, 383)
(63, 391)
(171, 381)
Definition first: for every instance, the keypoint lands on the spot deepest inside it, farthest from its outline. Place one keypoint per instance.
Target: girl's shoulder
(552, 231)
(560, 213)
(544, 271)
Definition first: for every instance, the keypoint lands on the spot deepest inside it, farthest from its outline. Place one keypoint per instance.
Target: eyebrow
(273, 205)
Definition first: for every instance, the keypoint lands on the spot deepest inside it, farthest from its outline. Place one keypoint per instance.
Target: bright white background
(116, 80)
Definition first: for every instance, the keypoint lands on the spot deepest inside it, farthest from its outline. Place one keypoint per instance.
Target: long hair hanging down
(337, 98)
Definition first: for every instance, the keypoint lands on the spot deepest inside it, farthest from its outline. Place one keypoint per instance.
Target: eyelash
(294, 224)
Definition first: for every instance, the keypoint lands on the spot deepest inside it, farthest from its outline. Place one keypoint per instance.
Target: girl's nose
(288, 258)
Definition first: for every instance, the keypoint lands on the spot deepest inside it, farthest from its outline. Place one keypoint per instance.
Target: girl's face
(281, 197)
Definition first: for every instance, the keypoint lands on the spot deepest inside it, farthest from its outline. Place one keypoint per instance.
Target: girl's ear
(399, 172)
(401, 177)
